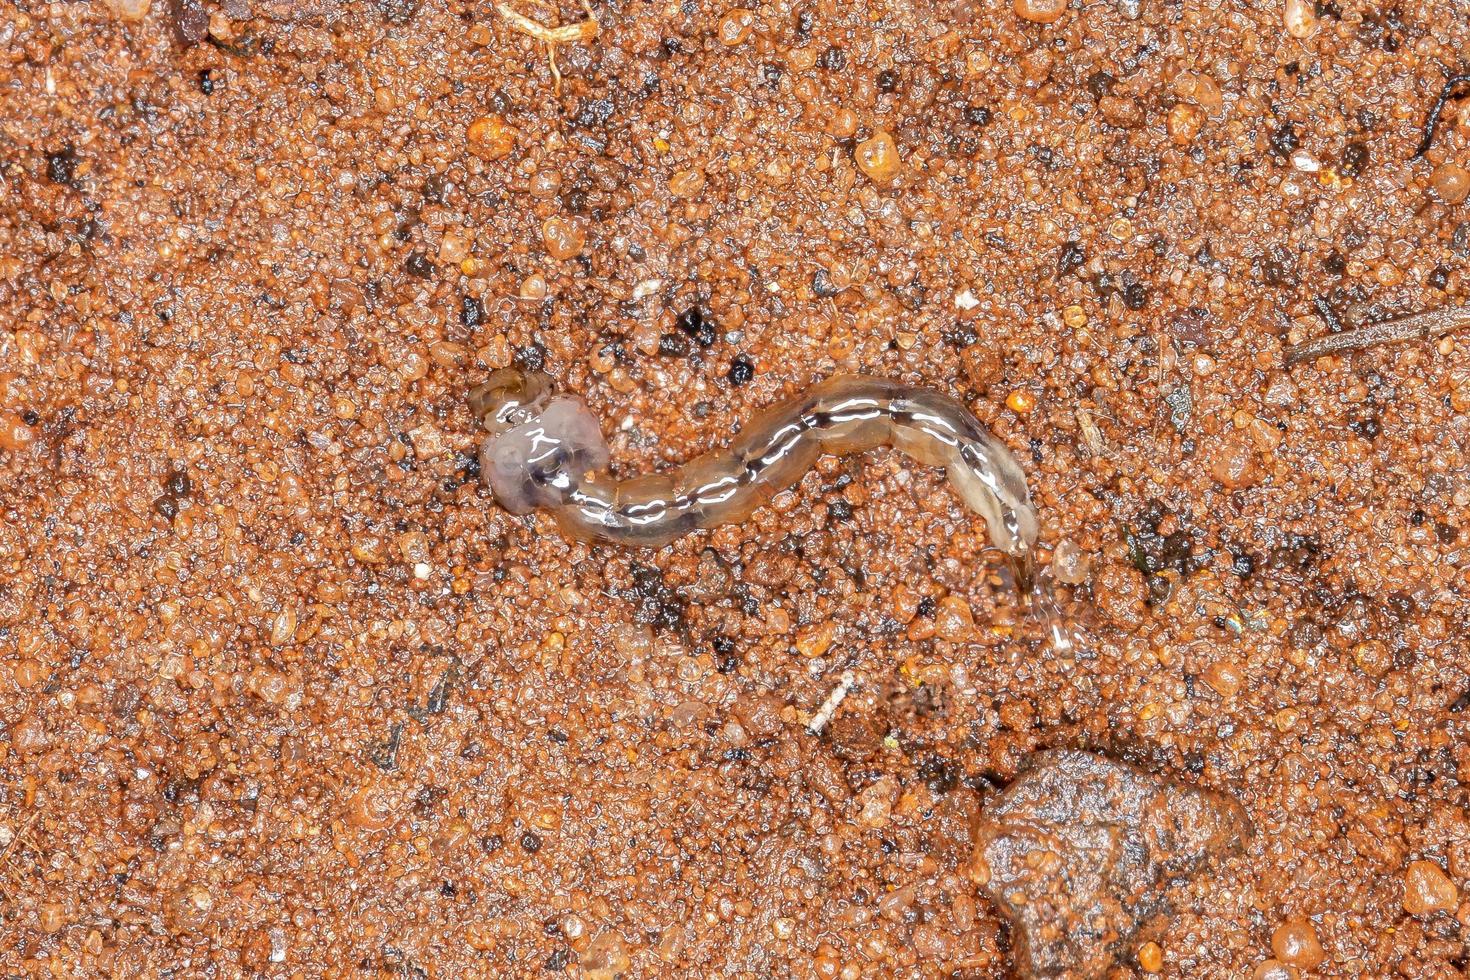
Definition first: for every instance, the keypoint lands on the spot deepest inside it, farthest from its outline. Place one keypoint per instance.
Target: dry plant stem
(552, 36)
(1416, 326)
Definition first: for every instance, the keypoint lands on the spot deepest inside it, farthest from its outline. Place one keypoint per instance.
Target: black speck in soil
(166, 507)
(1354, 160)
(978, 115)
(697, 326)
(531, 357)
(1070, 258)
(741, 371)
(471, 311)
(178, 483)
(61, 167)
(1283, 140)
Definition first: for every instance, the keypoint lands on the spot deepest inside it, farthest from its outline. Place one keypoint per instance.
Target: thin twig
(1415, 326)
(1431, 122)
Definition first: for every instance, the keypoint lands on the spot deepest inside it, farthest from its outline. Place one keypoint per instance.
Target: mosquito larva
(546, 451)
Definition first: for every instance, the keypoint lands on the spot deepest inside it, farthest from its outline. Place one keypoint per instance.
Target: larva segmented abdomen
(545, 451)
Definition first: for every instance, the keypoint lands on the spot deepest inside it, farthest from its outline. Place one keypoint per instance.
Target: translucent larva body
(546, 451)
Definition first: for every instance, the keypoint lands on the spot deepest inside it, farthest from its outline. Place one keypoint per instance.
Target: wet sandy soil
(283, 693)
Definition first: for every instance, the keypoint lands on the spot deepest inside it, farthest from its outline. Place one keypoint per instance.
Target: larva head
(508, 398)
(541, 444)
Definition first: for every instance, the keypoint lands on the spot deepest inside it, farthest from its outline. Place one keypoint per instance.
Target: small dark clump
(805, 21)
(418, 264)
(1100, 83)
(888, 81)
(697, 326)
(939, 774)
(1366, 426)
(206, 81)
(658, 605)
(166, 507)
(61, 167)
(531, 357)
(1070, 258)
(978, 115)
(725, 660)
(1283, 140)
(962, 336)
(741, 371)
(179, 484)
(822, 284)
(471, 311)
(1152, 552)
(839, 510)
(1353, 161)
(530, 843)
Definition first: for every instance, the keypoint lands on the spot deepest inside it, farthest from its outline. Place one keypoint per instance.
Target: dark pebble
(178, 483)
(696, 326)
(741, 371)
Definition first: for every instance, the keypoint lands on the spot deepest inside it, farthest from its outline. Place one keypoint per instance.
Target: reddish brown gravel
(283, 693)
